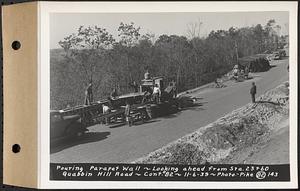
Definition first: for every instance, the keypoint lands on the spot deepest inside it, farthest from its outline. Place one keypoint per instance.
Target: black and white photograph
(170, 90)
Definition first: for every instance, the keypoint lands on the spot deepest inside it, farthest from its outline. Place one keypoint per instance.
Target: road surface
(123, 144)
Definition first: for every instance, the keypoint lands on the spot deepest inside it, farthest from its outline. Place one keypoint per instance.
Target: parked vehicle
(267, 52)
(65, 126)
(276, 56)
(282, 53)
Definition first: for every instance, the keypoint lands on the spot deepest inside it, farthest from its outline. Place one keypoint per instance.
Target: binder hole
(16, 45)
(16, 148)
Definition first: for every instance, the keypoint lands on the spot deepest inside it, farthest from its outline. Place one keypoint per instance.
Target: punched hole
(16, 45)
(16, 148)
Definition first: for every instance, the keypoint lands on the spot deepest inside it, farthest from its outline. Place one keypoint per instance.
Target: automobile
(268, 52)
(65, 126)
(276, 55)
(282, 53)
(269, 57)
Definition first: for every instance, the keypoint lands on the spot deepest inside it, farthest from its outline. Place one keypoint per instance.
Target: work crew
(253, 92)
(156, 93)
(88, 94)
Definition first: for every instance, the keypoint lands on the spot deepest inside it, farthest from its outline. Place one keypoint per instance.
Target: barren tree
(129, 37)
(194, 29)
(194, 33)
(85, 49)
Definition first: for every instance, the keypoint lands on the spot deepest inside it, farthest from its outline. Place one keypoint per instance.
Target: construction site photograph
(172, 88)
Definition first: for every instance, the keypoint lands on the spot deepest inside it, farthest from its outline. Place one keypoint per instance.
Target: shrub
(256, 63)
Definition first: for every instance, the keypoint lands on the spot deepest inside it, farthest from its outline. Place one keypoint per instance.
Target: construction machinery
(143, 105)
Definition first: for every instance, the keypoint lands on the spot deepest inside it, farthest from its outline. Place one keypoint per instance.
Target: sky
(64, 24)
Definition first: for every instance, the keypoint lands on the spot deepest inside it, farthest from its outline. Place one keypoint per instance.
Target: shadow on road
(138, 123)
(284, 58)
(253, 75)
(170, 115)
(274, 103)
(71, 142)
(117, 125)
(195, 107)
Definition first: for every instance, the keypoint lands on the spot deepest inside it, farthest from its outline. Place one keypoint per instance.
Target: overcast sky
(63, 24)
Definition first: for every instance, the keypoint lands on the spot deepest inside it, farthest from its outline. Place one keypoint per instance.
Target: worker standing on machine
(156, 94)
(88, 99)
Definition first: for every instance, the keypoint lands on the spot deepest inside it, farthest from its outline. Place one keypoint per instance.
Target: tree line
(92, 54)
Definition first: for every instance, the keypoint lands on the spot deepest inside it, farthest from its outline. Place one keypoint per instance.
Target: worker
(127, 113)
(135, 87)
(148, 111)
(146, 96)
(106, 109)
(88, 94)
(217, 85)
(114, 94)
(253, 92)
(221, 82)
(156, 93)
(147, 75)
(242, 73)
(247, 72)
(174, 89)
(236, 72)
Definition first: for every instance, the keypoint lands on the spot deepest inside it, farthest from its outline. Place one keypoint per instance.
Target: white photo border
(44, 11)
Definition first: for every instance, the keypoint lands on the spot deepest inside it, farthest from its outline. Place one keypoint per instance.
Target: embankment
(236, 136)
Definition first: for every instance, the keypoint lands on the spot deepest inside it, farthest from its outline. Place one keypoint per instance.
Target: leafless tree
(194, 29)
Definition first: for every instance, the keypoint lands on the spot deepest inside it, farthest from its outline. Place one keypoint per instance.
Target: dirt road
(124, 144)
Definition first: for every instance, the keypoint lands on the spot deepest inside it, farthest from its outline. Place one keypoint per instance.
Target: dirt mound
(240, 129)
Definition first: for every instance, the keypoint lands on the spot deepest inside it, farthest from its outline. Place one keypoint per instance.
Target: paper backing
(20, 124)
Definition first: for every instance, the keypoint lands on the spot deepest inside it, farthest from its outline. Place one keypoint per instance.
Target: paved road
(124, 144)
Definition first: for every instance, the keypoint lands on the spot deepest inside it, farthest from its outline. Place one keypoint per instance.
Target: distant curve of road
(124, 144)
